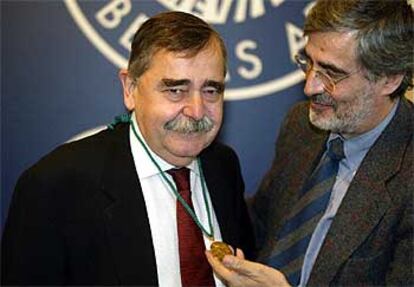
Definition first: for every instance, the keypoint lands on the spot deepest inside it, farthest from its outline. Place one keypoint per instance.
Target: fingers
(236, 271)
(254, 274)
(229, 276)
(220, 270)
(235, 263)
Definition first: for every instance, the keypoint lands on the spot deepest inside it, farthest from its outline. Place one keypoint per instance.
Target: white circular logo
(262, 36)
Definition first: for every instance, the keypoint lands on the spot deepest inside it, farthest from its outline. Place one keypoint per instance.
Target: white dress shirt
(160, 202)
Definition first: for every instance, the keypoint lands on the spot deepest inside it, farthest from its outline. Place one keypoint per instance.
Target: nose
(194, 107)
(313, 84)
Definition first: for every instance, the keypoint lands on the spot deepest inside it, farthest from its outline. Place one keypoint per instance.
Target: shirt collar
(357, 147)
(144, 165)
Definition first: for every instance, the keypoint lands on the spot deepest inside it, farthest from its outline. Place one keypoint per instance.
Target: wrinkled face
(356, 105)
(178, 102)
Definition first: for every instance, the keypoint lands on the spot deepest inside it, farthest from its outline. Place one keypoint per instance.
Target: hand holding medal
(220, 249)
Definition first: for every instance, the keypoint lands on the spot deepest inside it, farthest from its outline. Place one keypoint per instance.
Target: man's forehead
(332, 48)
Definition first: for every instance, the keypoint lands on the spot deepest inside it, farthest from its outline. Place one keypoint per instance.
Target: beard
(186, 125)
(346, 116)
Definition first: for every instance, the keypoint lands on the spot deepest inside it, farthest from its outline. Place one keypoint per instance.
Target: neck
(178, 161)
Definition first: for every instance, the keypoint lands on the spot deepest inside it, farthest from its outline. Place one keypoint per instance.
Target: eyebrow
(173, 82)
(327, 66)
(215, 84)
(182, 82)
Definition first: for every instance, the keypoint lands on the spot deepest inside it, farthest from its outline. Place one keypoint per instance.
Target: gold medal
(220, 249)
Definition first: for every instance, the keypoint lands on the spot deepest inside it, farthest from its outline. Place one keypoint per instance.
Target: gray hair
(384, 33)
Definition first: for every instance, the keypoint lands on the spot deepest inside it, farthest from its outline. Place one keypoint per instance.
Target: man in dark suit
(336, 207)
(104, 210)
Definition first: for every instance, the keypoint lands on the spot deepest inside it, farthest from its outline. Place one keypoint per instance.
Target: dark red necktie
(195, 270)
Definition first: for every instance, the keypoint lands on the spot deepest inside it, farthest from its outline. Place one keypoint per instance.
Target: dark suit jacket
(370, 241)
(79, 217)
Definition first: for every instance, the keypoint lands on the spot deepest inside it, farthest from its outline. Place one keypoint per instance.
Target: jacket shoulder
(84, 156)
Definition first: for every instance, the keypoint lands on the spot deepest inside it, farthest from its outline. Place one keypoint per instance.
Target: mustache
(323, 99)
(186, 125)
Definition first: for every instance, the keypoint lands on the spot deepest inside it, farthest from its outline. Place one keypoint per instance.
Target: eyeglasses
(329, 83)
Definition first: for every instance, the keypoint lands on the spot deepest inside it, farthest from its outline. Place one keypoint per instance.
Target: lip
(320, 106)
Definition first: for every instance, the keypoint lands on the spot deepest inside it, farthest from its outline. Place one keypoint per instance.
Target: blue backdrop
(60, 61)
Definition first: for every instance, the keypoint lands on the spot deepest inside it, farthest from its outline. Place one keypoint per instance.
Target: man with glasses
(336, 207)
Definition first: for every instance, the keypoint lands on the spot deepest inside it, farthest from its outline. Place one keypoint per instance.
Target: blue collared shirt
(355, 150)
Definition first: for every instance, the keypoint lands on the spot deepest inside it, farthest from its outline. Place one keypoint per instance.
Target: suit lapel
(308, 157)
(366, 200)
(362, 208)
(128, 230)
(285, 189)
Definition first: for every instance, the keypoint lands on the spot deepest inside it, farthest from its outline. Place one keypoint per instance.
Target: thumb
(239, 253)
(238, 264)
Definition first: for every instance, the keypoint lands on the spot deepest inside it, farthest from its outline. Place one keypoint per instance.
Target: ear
(391, 83)
(128, 86)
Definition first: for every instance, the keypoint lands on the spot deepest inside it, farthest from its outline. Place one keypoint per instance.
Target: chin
(188, 148)
(333, 124)
(322, 122)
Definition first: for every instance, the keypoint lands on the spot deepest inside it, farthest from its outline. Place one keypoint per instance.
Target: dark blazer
(79, 217)
(370, 241)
